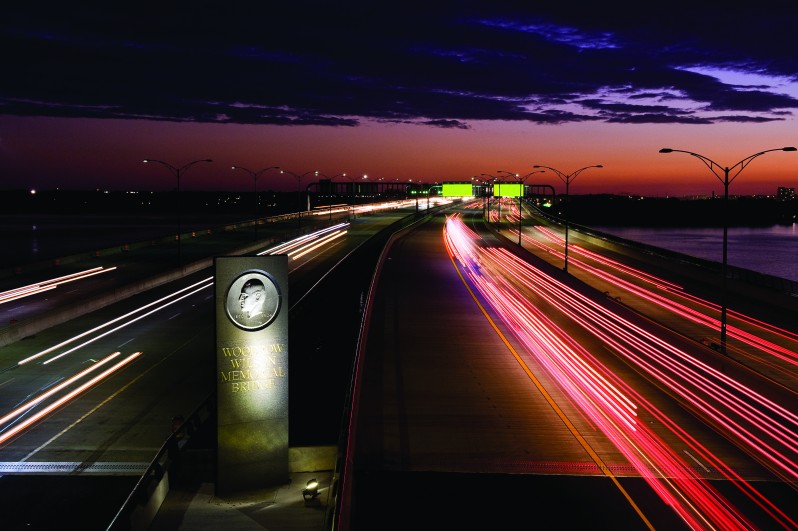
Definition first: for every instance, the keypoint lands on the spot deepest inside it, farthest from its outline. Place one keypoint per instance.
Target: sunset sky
(433, 91)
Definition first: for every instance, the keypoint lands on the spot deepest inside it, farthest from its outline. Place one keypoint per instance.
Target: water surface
(769, 250)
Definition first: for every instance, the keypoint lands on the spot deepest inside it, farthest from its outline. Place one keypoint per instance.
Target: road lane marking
(599, 462)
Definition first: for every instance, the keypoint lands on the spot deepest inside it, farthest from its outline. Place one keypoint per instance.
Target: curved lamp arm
(177, 171)
(711, 164)
(254, 174)
(567, 178)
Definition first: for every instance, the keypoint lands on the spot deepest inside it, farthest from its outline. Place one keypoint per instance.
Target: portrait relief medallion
(253, 300)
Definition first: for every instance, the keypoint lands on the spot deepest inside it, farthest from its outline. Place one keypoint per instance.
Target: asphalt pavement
(197, 507)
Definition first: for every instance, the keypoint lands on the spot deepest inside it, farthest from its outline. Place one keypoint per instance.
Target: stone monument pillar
(251, 372)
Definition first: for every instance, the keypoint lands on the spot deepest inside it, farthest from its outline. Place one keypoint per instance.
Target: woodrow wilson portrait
(253, 300)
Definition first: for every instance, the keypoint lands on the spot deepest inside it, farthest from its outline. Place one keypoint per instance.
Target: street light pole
(331, 180)
(493, 188)
(255, 175)
(299, 192)
(354, 194)
(352, 214)
(567, 178)
(714, 167)
(417, 188)
(177, 172)
(482, 192)
(520, 194)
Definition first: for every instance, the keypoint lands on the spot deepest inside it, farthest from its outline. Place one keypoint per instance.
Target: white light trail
(50, 392)
(109, 323)
(5, 436)
(32, 289)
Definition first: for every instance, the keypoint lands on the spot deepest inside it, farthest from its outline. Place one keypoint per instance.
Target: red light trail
(760, 426)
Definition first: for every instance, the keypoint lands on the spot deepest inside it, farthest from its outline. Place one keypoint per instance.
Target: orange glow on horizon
(99, 149)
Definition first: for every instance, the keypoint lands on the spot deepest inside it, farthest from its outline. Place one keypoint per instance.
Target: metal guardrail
(60, 468)
(338, 512)
(740, 274)
(145, 499)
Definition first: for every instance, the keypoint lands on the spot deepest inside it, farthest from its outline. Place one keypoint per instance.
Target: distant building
(785, 194)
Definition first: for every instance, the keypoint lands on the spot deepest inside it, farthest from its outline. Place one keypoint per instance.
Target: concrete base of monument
(194, 505)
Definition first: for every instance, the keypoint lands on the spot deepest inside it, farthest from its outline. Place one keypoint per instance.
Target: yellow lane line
(604, 468)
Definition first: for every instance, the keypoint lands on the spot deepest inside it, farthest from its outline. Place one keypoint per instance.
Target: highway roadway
(460, 419)
(97, 395)
(494, 389)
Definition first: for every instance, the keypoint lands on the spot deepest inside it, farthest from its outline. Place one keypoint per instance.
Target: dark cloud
(438, 64)
(447, 124)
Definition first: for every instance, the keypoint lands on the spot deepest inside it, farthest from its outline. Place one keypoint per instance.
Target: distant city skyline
(318, 191)
(425, 92)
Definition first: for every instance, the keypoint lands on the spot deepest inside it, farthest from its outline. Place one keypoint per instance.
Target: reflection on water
(768, 250)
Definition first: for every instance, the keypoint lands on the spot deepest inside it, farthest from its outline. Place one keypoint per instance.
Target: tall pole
(482, 192)
(354, 194)
(299, 192)
(714, 167)
(177, 172)
(353, 200)
(520, 181)
(493, 187)
(331, 186)
(255, 175)
(567, 178)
